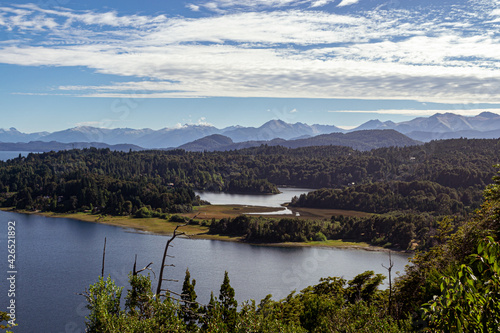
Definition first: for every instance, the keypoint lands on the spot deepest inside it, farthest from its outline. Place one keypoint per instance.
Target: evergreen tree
(228, 303)
(213, 318)
(190, 307)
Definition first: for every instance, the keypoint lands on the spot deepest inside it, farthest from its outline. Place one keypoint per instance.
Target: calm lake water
(266, 200)
(7, 155)
(57, 258)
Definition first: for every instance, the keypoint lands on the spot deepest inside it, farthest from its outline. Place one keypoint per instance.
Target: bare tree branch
(162, 266)
(391, 264)
(135, 271)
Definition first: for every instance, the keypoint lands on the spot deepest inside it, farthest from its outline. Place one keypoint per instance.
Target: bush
(143, 212)
(177, 218)
(320, 237)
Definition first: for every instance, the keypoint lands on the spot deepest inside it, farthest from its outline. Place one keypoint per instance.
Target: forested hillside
(396, 230)
(384, 197)
(442, 177)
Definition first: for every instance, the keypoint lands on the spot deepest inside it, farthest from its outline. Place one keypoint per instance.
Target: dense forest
(396, 230)
(121, 183)
(453, 287)
(383, 197)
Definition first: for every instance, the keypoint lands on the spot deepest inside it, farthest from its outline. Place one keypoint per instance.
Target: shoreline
(157, 226)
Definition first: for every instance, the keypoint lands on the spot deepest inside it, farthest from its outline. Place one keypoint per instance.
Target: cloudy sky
(156, 64)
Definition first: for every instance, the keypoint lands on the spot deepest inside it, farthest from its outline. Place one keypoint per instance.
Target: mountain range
(359, 140)
(438, 126)
(171, 137)
(443, 126)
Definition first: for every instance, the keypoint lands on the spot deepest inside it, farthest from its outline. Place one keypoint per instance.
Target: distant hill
(13, 135)
(94, 134)
(440, 125)
(485, 125)
(212, 142)
(278, 129)
(469, 134)
(375, 124)
(360, 140)
(39, 146)
(173, 137)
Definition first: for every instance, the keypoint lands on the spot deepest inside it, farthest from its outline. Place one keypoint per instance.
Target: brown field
(223, 211)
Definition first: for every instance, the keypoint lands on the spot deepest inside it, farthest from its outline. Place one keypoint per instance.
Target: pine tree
(190, 307)
(229, 304)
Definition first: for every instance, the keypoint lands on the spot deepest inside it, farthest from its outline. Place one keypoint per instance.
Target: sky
(156, 64)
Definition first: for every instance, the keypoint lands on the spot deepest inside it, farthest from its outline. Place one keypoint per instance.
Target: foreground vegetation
(333, 305)
(453, 287)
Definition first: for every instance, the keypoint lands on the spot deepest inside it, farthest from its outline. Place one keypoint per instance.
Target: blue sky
(156, 64)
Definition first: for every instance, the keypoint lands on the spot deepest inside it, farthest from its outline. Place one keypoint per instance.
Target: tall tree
(190, 307)
(228, 302)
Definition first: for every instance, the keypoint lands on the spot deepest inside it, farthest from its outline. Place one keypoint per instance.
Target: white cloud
(251, 4)
(347, 3)
(203, 122)
(413, 112)
(24, 20)
(88, 17)
(194, 8)
(98, 124)
(345, 127)
(387, 54)
(320, 3)
(495, 12)
(224, 5)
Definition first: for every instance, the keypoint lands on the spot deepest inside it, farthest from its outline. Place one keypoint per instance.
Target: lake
(7, 155)
(264, 200)
(57, 258)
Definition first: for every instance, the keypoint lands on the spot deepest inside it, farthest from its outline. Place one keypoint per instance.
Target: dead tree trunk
(165, 255)
(135, 271)
(103, 257)
(391, 264)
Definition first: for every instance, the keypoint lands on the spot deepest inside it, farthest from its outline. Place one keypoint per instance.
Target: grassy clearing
(318, 213)
(224, 211)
